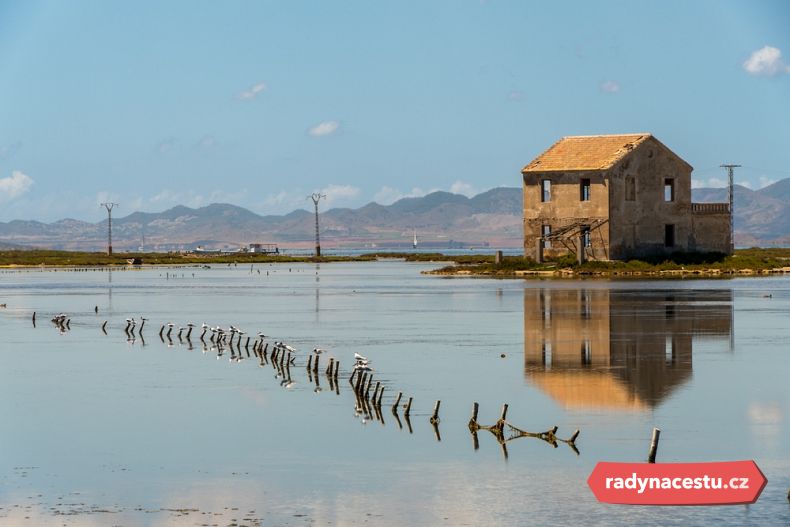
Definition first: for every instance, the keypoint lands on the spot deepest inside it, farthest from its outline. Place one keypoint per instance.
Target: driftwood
(498, 430)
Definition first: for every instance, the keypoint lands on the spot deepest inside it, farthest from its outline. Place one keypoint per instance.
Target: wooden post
(397, 402)
(331, 365)
(651, 456)
(315, 364)
(435, 417)
(574, 436)
(309, 361)
(473, 421)
(381, 394)
(337, 370)
(367, 388)
(500, 425)
(408, 408)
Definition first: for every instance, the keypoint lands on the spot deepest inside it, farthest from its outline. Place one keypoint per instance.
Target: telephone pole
(109, 206)
(731, 177)
(316, 197)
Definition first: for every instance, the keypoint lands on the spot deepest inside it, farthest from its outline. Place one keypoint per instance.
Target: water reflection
(618, 349)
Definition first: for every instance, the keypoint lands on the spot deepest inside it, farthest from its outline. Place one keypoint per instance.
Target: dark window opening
(545, 190)
(586, 353)
(545, 233)
(669, 235)
(630, 188)
(584, 190)
(669, 189)
(586, 238)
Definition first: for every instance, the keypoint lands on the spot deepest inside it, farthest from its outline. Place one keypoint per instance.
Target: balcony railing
(710, 208)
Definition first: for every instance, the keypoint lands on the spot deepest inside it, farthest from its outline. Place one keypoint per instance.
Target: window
(586, 352)
(545, 190)
(630, 188)
(669, 189)
(586, 238)
(669, 235)
(545, 232)
(584, 190)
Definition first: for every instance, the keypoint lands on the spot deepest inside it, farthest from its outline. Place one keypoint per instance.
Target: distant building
(615, 197)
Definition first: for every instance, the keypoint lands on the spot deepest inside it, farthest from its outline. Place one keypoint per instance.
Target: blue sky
(153, 104)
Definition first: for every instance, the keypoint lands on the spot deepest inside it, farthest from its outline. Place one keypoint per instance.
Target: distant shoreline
(745, 262)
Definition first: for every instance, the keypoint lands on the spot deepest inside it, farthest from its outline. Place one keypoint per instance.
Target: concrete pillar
(580, 252)
(498, 257)
(539, 243)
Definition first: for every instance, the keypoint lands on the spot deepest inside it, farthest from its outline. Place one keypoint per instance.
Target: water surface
(103, 430)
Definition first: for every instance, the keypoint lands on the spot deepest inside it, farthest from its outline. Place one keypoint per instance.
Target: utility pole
(731, 177)
(109, 206)
(316, 197)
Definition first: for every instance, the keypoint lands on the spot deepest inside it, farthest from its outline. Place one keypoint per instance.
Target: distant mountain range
(440, 220)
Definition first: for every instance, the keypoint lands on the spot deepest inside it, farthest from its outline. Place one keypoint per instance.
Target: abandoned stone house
(615, 197)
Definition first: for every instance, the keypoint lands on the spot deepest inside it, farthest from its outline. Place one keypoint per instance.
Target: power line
(316, 197)
(109, 206)
(731, 178)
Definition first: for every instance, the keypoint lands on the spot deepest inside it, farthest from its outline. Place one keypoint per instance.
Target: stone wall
(565, 207)
(638, 227)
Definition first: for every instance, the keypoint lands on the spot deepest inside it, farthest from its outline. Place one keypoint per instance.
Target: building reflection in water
(618, 349)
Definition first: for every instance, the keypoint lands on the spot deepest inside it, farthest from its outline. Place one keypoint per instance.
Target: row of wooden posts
(361, 382)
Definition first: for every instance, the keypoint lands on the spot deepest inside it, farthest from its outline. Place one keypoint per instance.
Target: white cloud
(253, 91)
(388, 195)
(14, 185)
(764, 181)
(324, 128)
(207, 141)
(462, 187)
(713, 182)
(166, 145)
(766, 61)
(610, 86)
(339, 193)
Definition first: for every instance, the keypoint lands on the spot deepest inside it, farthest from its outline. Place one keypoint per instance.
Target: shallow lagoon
(100, 430)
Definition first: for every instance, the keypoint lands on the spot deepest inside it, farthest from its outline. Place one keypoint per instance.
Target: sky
(153, 104)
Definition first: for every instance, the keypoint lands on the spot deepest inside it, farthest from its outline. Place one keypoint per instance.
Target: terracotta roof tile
(585, 152)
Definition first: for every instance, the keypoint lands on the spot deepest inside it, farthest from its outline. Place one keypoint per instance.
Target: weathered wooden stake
(381, 394)
(337, 370)
(435, 417)
(473, 421)
(408, 408)
(315, 364)
(574, 436)
(376, 393)
(104, 327)
(309, 361)
(367, 388)
(330, 367)
(397, 402)
(651, 456)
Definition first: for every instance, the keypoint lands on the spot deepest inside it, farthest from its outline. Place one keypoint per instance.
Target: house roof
(586, 152)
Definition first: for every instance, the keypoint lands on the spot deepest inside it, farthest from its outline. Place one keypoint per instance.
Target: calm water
(100, 430)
